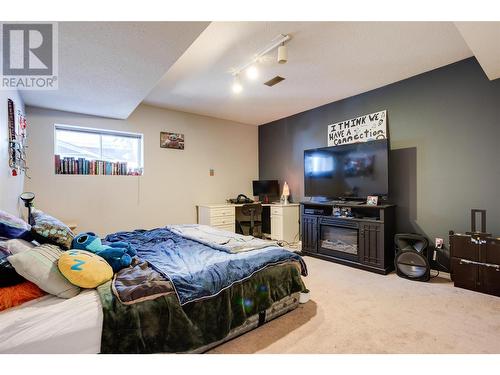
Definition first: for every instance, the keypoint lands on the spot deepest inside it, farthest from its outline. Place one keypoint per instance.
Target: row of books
(89, 167)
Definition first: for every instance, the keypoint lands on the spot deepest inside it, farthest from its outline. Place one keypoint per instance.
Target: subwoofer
(411, 256)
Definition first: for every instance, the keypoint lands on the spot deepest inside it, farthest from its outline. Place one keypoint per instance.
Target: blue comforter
(197, 270)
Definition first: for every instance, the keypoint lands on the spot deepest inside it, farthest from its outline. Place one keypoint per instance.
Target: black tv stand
(349, 232)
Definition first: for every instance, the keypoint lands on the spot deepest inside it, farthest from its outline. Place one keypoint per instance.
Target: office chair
(253, 211)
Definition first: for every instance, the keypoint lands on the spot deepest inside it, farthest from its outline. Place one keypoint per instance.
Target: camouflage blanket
(157, 323)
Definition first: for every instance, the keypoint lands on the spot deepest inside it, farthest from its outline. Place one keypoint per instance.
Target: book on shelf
(58, 164)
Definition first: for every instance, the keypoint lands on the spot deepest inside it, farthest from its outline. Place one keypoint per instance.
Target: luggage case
(475, 258)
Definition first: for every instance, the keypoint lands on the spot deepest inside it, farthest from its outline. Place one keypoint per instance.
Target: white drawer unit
(284, 219)
(218, 216)
(277, 211)
(222, 212)
(285, 222)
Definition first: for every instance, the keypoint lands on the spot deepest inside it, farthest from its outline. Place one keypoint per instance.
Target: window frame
(101, 132)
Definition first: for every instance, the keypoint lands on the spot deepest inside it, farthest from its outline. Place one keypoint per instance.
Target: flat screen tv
(351, 171)
(270, 188)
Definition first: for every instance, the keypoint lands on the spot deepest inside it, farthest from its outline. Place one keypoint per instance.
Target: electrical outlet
(211, 172)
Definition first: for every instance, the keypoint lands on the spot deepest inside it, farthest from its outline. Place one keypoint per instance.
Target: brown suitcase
(475, 258)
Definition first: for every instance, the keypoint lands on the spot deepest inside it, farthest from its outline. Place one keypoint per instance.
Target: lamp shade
(27, 197)
(286, 190)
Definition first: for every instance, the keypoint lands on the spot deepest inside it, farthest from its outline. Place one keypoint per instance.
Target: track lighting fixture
(250, 67)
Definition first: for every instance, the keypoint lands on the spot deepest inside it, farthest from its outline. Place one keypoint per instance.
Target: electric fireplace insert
(338, 238)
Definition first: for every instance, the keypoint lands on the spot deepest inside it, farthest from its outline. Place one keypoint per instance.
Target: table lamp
(27, 198)
(285, 194)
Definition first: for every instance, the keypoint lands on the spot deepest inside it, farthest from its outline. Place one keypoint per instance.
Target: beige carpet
(354, 311)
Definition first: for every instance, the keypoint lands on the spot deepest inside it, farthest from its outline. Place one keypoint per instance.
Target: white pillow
(16, 246)
(39, 265)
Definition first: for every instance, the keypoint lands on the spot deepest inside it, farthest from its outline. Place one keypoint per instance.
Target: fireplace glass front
(339, 240)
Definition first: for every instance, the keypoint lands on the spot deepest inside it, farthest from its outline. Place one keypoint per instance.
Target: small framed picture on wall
(372, 200)
(172, 140)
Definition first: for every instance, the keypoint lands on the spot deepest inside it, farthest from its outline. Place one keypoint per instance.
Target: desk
(284, 218)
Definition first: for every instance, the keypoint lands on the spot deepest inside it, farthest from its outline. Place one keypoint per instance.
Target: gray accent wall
(444, 128)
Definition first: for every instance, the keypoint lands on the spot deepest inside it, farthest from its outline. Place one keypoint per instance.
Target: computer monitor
(269, 188)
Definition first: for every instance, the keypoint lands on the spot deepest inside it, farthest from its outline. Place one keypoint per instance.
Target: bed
(189, 289)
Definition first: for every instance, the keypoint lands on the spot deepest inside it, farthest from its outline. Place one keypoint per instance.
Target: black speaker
(411, 256)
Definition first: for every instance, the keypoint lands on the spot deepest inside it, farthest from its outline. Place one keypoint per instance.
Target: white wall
(10, 187)
(174, 181)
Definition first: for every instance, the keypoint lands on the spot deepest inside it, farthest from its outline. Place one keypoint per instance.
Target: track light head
(252, 72)
(282, 54)
(236, 87)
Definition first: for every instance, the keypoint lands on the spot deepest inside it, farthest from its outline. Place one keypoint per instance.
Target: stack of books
(89, 167)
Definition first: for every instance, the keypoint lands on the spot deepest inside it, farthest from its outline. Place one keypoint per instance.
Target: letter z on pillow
(84, 269)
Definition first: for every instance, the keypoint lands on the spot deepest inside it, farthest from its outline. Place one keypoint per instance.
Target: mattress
(53, 325)
(67, 326)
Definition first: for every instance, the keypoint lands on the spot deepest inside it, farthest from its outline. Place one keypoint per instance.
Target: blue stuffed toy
(117, 254)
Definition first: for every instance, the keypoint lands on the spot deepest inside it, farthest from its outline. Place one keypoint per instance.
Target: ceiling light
(252, 72)
(237, 88)
(250, 69)
(282, 54)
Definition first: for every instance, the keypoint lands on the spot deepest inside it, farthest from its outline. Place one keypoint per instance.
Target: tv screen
(347, 171)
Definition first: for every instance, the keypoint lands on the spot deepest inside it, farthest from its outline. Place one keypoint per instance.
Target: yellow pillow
(84, 269)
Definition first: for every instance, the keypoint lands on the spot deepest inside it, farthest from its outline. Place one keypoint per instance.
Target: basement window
(89, 151)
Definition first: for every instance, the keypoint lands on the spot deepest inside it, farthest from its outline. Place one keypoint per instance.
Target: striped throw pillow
(39, 265)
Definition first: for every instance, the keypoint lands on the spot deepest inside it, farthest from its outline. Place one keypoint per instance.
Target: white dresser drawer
(222, 212)
(222, 220)
(276, 211)
(215, 216)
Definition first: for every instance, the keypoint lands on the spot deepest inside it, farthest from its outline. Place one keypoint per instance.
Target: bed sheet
(53, 325)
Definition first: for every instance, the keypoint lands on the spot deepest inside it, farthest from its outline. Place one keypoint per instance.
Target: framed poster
(172, 140)
(365, 128)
